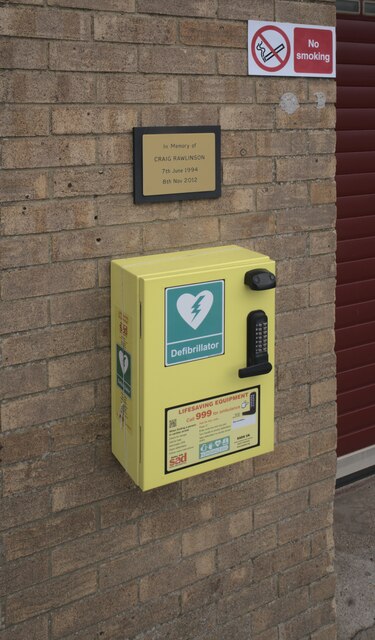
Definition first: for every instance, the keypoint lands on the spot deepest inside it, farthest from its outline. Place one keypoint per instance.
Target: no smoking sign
(285, 49)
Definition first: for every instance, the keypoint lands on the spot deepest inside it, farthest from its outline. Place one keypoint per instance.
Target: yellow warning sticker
(210, 428)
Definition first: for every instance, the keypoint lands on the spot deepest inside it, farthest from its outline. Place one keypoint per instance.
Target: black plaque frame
(138, 133)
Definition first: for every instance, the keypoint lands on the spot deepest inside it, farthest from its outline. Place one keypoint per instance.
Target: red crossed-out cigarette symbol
(267, 44)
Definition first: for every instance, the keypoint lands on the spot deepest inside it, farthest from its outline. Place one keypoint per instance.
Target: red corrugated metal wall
(355, 294)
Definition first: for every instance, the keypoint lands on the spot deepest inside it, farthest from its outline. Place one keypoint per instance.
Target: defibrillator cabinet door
(206, 369)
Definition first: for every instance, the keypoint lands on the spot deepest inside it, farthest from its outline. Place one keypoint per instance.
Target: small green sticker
(213, 448)
(123, 369)
(194, 327)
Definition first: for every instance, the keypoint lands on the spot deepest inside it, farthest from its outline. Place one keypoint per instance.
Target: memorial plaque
(176, 163)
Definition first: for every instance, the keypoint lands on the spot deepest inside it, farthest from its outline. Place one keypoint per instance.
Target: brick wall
(244, 552)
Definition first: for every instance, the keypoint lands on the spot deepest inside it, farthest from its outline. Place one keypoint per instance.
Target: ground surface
(354, 525)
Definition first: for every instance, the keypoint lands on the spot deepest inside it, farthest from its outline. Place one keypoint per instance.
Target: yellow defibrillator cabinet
(192, 361)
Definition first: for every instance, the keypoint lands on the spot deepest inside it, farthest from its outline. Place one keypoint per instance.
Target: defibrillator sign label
(123, 370)
(211, 428)
(123, 407)
(194, 322)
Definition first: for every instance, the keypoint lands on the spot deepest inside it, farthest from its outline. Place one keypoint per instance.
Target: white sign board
(286, 49)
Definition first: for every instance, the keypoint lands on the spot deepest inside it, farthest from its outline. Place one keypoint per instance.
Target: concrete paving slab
(354, 528)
